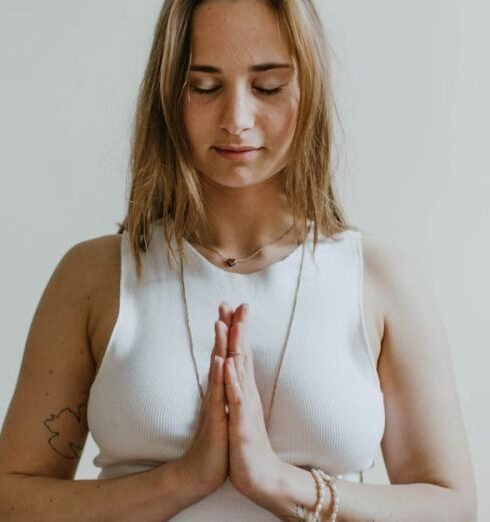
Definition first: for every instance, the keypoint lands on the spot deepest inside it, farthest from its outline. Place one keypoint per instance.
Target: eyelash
(268, 92)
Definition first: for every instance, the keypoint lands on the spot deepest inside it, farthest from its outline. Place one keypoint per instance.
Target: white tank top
(328, 409)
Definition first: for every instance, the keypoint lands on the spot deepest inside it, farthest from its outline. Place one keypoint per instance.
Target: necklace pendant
(231, 261)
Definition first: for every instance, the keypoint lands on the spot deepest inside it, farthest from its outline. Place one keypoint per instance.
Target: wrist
(286, 487)
(185, 484)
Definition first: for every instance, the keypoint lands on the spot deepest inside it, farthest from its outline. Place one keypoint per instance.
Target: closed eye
(210, 91)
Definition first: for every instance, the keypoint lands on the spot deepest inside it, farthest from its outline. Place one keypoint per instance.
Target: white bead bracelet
(323, 479)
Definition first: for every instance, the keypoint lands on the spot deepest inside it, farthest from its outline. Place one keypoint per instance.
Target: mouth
(245, 148)
(242, 153)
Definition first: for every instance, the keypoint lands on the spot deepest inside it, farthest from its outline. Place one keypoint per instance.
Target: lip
(241, 154)
(237, 149)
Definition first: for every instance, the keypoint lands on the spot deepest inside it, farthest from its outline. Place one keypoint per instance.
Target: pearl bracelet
(330, 480)
(320, 496)
(322, 479)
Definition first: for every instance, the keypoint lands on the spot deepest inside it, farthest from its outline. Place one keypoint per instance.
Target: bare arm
(149, 496)
(424, 446)
(45, 428)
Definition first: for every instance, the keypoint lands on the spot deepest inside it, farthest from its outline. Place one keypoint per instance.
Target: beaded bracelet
(330, 480)
(323, 479)
(320, 496)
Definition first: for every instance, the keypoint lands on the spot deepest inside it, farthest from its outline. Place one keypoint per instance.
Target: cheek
(196, 125)
(281, 123)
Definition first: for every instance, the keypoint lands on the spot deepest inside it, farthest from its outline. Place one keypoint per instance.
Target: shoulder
(88, 271)
(395, 275)
(412, 323)
(82, 264)
(90, 261)
(381, 259)
(99, 253)
(99, 248)
(96, 266)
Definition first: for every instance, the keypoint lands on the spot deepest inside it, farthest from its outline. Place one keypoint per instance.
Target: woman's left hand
(251, 457)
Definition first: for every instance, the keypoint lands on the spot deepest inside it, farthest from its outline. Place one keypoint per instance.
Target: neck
(243, 219)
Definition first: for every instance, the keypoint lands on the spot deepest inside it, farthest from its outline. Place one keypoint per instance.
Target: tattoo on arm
(63, 422)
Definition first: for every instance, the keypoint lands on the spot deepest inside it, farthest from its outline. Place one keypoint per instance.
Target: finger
(221, 338)
(240, 316)
(218, 349)
(235, 345)
(233, 391)
(213, 351)
(226, 313)
(244, 363)
(241, 313)
(217, 397)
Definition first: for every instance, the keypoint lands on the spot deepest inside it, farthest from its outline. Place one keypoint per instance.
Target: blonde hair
(164, 183)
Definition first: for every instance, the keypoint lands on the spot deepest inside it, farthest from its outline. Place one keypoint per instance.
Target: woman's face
(229, 38)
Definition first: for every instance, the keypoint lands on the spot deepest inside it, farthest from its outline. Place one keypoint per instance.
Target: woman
(238, 351)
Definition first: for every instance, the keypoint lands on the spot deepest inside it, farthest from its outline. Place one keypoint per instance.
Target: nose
(237, 111)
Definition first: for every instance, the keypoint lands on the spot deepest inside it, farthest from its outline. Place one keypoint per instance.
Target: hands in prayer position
(231, 443)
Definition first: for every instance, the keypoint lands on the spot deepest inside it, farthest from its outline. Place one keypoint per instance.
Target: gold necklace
(232, 261)
(298, 283)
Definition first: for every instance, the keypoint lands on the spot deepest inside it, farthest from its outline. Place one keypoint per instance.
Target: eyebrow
(253, 68)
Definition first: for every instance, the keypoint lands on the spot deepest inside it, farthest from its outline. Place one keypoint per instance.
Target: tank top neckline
(205, 264)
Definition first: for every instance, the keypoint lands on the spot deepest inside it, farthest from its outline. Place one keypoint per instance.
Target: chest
(105, 308)
(326, 408)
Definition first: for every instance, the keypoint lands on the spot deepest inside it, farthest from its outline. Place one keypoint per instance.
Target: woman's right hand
(206, 461)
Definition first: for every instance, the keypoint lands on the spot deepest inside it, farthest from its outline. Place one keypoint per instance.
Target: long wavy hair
(164, 183)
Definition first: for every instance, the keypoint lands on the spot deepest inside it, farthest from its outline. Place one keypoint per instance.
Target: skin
(243, 200)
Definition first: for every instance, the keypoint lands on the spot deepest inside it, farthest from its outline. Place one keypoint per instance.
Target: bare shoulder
(383, 260)
(92, 269)
(98, 254)
(101, 257)
(396, 295)
(393, 276)
(377, 257)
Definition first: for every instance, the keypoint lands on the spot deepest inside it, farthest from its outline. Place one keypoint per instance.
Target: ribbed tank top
(328, 409)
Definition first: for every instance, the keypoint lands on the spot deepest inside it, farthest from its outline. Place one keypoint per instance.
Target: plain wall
(411, 81)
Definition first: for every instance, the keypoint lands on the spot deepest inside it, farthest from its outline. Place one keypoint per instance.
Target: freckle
(98, 487)
(50, 370)
(51, 500)
(47, 394)
(88, 298)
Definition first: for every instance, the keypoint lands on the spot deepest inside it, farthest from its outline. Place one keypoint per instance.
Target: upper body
(402, 323)
(142, 406)
(243, 89)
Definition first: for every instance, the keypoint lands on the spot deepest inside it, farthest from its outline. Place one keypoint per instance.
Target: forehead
(237, 31)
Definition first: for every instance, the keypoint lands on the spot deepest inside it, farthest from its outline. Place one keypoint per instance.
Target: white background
(411, 81)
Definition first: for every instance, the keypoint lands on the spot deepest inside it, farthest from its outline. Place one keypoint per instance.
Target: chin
(238, 177)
